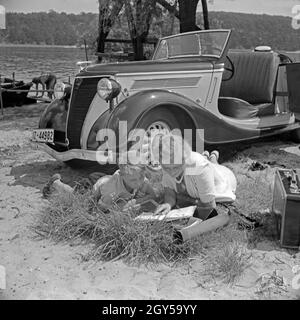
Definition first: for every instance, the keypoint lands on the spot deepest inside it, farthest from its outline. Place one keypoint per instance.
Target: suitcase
(286, 207)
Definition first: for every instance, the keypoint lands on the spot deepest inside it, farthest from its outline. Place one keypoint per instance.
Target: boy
(127, 187)
(47, 81)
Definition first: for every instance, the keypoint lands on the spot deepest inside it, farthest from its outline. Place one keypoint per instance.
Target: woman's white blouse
(205, 180)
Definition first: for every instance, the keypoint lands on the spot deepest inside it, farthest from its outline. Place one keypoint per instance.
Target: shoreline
(39, 45)
(82, 48)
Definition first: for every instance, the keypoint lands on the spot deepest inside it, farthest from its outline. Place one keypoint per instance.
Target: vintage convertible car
(191, 82)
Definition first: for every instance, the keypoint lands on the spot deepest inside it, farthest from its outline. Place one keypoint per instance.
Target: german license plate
(43, 135)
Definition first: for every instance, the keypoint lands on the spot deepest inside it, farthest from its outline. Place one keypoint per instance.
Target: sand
(38, 269)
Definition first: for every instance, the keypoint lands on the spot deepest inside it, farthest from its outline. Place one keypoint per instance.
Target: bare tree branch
(108, 12)
(139, 16)
(169, 7)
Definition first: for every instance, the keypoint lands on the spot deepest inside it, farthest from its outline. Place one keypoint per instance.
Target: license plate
(43, 135)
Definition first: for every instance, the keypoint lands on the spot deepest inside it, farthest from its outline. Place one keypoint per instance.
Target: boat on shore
(15, 97)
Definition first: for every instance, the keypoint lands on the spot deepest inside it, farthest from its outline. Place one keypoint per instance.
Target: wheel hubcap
(159, 127)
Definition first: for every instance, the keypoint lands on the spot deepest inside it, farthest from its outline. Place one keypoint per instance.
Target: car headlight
(108, 89)
(60, 89)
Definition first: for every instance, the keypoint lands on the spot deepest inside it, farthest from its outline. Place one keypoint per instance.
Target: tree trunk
(101, 41)
(187, 15)
(205, 14)
(107, 17)
(138, 48)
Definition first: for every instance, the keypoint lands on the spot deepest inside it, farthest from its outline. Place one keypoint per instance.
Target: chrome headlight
(60, 89)
(108, 89)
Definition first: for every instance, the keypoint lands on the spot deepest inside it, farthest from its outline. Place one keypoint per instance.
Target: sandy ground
(44, 270)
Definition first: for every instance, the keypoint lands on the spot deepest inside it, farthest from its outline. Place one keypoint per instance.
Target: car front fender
(133, 108)
(55, 115)
(216, 129)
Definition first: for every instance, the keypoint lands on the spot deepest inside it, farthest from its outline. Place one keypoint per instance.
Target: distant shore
(38, 45)
(81, 47)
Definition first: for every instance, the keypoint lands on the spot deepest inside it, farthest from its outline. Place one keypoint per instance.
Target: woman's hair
(170, 149)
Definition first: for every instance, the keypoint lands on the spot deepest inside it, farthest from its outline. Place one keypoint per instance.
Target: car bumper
(80, 154)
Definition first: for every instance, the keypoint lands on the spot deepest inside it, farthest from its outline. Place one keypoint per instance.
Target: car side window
(162, 51)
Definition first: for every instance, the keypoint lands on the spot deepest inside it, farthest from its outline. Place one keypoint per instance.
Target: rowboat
(18, 95)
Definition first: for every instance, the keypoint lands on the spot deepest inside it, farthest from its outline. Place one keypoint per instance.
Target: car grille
(83, 93)
(59, 137)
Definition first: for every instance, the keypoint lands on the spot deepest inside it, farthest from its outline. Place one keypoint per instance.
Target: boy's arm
(36, 89)
(43, 88)
(149, 193)
(170, 197)
(169, 203)
(103, 190)
(96, 194)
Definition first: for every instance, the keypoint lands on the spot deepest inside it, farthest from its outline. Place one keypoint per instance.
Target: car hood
(147, 66)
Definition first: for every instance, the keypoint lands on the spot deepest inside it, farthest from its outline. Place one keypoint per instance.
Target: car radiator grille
(83, 93)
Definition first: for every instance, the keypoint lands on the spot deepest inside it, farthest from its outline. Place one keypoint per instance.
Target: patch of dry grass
(113, 236)
(270, 285)
(116, 235)
(254, 192)
(255, 195)
(254, 200)
(225, 253)
(67, 218)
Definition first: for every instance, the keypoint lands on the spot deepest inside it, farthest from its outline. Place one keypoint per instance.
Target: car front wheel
(161, 120)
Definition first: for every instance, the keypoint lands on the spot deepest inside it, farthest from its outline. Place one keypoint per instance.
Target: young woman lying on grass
(191, 178)
(127, 187)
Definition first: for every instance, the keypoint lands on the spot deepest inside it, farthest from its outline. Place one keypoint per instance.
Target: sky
(273, 7)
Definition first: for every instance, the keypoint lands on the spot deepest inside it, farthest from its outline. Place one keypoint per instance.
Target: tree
(139, 16)
(185, 11)
(205, 14)
(187, 15)
(108, 12)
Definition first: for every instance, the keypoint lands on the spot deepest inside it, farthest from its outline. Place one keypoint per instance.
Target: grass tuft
(67, 218)
(225, 252)
(116, 235)
(113, 236)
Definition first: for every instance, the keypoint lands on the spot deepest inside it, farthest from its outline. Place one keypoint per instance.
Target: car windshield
(200, 43)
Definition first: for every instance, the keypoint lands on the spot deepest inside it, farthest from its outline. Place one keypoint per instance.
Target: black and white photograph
(150, 151)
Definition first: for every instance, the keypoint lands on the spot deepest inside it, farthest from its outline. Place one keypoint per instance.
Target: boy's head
(132, 174)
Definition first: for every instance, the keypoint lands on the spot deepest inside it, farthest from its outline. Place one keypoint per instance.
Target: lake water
(30, 61)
